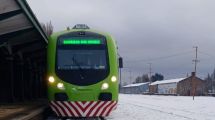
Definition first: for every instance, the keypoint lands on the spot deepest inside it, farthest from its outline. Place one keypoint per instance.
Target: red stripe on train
(83, 109)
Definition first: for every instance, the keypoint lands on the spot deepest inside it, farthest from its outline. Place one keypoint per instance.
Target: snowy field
(146, 107)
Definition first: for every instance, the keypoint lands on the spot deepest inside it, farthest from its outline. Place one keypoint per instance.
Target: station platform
(23, 111)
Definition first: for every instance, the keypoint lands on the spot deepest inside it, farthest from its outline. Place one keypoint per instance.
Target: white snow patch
(167, 81)
(146, 107)
(136, 84)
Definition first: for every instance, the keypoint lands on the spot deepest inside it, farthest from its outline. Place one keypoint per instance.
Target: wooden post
(11, 78)
(193, 84)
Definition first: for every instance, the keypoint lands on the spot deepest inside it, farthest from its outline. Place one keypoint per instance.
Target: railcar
(82, 73)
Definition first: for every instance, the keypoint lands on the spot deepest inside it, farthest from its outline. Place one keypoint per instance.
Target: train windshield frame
(82, 60)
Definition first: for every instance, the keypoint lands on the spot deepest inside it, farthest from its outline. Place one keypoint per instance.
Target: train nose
(81, 94)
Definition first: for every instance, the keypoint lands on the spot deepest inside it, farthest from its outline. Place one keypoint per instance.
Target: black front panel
(82, 59)
(105, 96)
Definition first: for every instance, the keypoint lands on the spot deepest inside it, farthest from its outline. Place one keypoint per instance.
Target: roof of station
(19, 28)
(167, 81)
(136, 84)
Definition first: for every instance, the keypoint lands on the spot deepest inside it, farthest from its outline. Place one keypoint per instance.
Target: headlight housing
(105, 86)
(113, 79)
(60, 86)
(51, 79)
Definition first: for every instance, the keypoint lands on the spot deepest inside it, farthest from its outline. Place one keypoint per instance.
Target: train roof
(68, 30)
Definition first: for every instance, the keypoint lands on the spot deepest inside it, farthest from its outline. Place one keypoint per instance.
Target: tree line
(210, 82)
(47, 28)
(146, 78)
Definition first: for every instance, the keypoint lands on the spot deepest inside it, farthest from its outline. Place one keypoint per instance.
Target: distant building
(180, 86)
(165, 86)
(137, 88)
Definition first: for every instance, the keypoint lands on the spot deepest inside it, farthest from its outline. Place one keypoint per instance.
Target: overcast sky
(161, 32)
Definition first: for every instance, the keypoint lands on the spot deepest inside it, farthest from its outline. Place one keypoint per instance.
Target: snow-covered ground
(146, 107)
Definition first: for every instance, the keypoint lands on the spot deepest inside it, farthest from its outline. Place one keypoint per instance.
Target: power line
(203, 53)
(160, 58)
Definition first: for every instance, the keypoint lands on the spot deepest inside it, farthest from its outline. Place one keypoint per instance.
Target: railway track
(55, 118)
(51, 116)
(41, 113)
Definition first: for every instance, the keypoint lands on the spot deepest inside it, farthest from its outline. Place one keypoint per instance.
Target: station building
(137, 88)
(179, 86)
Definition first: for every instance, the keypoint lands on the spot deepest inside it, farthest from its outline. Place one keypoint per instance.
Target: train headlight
(51, 79)
(105, 86)
(113, 79)
(60, 86)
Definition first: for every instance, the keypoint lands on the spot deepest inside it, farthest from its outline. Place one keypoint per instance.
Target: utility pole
(150, 72)
(212, 84)
(196, 60)
(195, 69)
(150, 75)
(130, 76)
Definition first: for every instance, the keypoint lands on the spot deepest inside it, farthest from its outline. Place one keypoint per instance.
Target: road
(146, 107)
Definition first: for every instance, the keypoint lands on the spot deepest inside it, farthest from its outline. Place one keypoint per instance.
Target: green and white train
(82, 73)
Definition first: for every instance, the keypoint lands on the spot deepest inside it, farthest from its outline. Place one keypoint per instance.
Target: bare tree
(48, 28)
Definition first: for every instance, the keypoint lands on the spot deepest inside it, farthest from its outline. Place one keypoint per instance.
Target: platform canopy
(22, 53)
(19, 28)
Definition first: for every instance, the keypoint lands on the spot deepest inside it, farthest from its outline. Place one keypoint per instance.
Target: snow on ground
(153, 107)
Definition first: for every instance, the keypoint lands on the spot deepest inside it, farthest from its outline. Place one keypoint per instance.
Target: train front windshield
(82, 61)
(69, 59)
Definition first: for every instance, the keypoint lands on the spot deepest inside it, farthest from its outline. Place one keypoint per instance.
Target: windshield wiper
(79, 67)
